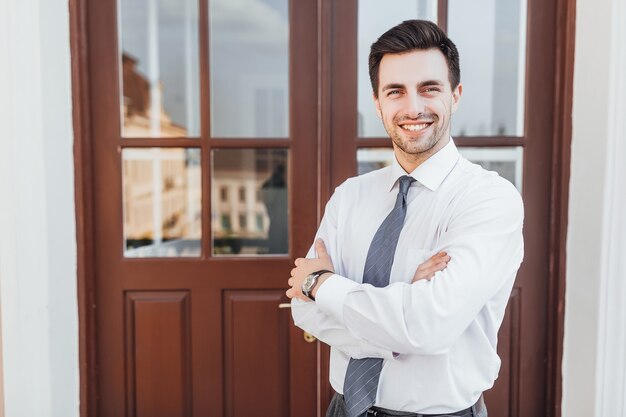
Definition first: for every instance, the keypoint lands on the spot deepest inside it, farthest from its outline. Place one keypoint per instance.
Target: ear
(377, 104)
(456, 97)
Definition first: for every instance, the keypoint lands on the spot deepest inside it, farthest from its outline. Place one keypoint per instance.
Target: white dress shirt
(438, 337)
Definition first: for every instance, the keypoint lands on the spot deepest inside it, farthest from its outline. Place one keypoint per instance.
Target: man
(410, 337)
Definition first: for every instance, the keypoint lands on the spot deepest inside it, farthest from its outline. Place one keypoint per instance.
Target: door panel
(188, 284)
(256, 342)
(158, 353)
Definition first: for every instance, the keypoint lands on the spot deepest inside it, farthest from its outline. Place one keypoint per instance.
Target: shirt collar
(431, 172)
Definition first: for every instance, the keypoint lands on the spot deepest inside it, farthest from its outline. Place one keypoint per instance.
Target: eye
(393, 92)
(432, 90)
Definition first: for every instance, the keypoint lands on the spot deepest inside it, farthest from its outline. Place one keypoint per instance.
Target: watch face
(308, 284)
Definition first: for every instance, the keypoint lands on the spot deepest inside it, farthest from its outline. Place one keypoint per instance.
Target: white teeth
(415, 128)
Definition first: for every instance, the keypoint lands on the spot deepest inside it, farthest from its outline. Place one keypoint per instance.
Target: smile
(415, 127)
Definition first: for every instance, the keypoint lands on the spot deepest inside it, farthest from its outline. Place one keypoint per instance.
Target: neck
(409, 162)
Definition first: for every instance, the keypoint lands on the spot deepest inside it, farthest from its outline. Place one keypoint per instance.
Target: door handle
(284, 305)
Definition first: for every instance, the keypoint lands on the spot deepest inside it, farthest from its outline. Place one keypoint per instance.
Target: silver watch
(310, 281)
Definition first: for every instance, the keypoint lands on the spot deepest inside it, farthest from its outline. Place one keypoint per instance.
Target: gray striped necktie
(361, 382)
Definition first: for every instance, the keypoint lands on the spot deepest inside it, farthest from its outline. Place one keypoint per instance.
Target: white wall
(594, 367)
(37, 217)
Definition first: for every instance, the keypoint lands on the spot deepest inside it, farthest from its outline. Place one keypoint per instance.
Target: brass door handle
(284, 305)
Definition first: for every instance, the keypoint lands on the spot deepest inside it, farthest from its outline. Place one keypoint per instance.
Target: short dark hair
(412, 35)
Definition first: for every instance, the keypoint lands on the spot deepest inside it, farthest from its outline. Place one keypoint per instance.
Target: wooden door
(204, 142)
(507, 52)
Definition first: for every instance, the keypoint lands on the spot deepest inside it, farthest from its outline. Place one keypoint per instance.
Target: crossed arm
(325, 327)
(304, 267)
(484, 239)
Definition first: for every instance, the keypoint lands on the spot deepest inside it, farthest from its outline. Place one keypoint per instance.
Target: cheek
(441, 107)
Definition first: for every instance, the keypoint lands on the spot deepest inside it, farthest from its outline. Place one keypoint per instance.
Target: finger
(429, 263)
(419, 277)
(298, 261)
(290, 282)
(431, 268)
(439, 266)
(289, 293)
(293, 272)
(320, 248)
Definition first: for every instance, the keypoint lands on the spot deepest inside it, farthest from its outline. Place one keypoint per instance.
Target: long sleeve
(484, 240)
(324, 326)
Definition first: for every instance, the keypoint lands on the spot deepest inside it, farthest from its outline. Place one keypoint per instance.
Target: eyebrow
(392, 86)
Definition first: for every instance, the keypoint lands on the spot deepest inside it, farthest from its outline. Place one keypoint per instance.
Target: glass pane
(162, 202)
(250, 202)
(505, 161)
(159, 58)
(249, 53)
(491, 38)
(375, 18)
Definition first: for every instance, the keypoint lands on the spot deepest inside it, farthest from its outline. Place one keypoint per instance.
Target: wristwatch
(310, 281)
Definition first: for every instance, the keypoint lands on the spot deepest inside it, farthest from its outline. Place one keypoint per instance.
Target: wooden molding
(561, 155)
(84, 208)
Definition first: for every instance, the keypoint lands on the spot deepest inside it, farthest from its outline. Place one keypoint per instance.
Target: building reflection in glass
(250, 210)
(159, 57)
(162, 202)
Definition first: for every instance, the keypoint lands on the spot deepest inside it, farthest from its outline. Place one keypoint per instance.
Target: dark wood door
(187, 296)
(508, 53)
(204, 143)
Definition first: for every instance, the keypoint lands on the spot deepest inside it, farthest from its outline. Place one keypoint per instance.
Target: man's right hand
(427, 270)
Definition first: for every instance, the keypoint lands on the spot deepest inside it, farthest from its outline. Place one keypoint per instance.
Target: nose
(415, 105)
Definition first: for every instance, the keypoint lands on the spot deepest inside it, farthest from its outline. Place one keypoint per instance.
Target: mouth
(415, 127)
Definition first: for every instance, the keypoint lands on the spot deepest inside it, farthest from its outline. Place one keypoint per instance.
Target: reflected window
(375, 18)
(162, 202)
(491, 38)
(506, 161)
(255, 172)
(160, 68)
(249, 60)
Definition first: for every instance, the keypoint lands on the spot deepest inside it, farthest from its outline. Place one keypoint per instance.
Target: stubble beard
(416, 148)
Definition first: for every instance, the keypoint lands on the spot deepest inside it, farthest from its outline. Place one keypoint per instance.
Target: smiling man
(413, 264)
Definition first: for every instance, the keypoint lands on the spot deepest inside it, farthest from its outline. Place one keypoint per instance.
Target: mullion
(442, 14)
(205, 128)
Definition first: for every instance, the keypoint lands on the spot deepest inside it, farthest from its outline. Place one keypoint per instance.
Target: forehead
(413, 67)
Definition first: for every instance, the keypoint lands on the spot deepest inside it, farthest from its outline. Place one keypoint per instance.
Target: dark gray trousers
(337, 408)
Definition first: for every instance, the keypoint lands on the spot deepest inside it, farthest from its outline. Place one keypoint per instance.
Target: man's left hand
(305, 267)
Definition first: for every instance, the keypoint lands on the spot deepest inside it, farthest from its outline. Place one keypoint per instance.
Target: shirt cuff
(330, 296)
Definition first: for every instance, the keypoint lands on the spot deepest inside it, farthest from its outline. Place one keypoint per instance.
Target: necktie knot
(405, 183)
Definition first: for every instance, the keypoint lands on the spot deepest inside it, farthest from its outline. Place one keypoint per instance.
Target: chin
(417, 146)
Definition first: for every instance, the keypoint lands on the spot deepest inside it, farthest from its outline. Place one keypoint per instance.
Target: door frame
(84, 196)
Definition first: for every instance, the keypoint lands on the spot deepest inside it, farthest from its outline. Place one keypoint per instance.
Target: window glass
(252, 225)
(162, 202)
(159, 68)
(249, 60)
(491, 38)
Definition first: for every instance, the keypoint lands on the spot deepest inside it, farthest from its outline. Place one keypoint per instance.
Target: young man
(410, 337)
